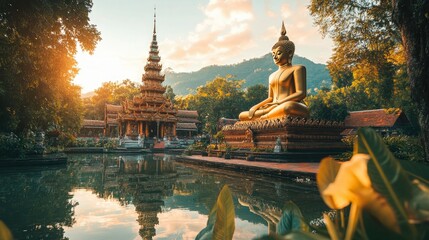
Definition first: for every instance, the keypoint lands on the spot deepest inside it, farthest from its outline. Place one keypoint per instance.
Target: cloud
(223, 34)
(299, 24)
(301, 30)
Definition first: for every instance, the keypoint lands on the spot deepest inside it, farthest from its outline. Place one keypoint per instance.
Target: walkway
(288, 170)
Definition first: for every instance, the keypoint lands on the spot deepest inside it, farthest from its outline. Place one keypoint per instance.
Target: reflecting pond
(140, 197)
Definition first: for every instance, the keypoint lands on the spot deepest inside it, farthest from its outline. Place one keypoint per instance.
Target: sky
(193, 34)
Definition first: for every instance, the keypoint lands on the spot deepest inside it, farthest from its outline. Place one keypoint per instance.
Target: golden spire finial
(283, 33)
(154, 19)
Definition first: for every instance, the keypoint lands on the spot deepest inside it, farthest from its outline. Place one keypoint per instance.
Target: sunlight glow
(211, 32)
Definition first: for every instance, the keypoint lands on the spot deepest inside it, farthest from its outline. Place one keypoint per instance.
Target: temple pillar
(140, 128)
(147, 129)
(128, 128)
(157, 128)
(174, 129)
(162, 130)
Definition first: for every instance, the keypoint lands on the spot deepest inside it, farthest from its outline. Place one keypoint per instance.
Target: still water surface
(139, 197)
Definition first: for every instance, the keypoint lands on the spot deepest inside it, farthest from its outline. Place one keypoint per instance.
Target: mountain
(254, 71)
(87, 95)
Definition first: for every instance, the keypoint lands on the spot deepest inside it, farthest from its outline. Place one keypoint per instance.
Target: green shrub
(198, 146)
(66, 139)
(11, 146)
(111, 144)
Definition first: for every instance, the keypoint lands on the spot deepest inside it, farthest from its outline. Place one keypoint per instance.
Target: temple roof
(89, 123)
(188, 120)
(113, 108)
(187, 114)
(376, 118)
(186, 126)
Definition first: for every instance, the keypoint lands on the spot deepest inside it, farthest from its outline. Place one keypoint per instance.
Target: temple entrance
(151, 131)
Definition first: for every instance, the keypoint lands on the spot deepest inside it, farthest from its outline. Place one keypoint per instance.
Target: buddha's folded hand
(252, 112)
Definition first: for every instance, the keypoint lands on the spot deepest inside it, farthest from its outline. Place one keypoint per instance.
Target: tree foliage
(38, 40)
(255, 94)
(221, 97)
(112, 93)
(169, 93)
(368, 63)
(327, 105)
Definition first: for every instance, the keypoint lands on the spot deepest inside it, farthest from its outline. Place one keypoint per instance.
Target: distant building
(187, 121)
(92, 128)
(111, 114)
(385, 121)
(225, 121)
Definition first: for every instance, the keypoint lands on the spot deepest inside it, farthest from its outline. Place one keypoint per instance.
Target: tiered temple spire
(151, 114)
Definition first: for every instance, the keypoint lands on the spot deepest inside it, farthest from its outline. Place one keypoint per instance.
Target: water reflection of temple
(142, 180)
(256, 195)
(155, 184)
(148, 179)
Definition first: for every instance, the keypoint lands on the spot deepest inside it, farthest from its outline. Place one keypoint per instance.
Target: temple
(149, 114)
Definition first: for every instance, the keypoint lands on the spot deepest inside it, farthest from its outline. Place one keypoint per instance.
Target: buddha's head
(283, 50)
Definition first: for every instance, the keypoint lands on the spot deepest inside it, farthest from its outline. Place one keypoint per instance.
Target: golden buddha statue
(287, 86)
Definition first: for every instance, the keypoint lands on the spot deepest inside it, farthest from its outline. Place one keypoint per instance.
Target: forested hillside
(254, 71)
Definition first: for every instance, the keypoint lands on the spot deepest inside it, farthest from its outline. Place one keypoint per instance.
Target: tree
(327, 105)
(38, 40)
(360, 29)
(412, 19)
(367, 39)
(109, 92)
(126, 89)
(169, 94)
(363, 36)
(254, 94)
(221, 97)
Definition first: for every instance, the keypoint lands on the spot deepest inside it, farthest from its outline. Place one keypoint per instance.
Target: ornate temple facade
(149, 114)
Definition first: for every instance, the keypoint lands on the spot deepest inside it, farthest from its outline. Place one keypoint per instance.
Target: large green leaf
(387, 176)
(291, 220)
(298, 235)
(416, 170)
(220, 224)
(207, 232)
(295, 235)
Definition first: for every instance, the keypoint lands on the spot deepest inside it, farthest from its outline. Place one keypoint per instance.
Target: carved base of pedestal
(295, 133)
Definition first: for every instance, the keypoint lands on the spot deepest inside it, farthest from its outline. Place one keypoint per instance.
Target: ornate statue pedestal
(295, 134)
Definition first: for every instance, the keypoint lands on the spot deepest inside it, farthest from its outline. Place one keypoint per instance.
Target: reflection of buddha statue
(287, 86)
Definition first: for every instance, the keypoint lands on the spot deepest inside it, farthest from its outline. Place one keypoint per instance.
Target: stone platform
(295, 134)
(282, 170)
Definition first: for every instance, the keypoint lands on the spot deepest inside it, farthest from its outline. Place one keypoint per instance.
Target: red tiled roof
(375, 118)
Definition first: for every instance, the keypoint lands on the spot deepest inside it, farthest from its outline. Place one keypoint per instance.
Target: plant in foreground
(383, 198)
